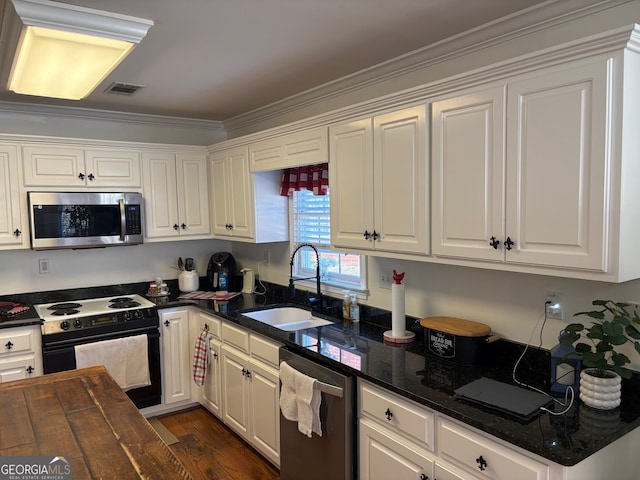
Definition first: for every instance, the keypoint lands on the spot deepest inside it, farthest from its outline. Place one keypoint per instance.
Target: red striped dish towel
(201, 358)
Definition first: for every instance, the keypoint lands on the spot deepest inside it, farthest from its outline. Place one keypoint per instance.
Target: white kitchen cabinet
(176, 196)
(58, 166)
(544, 203)
(176, 356)
(20, 353)
(477, 453)
(246, 206)
(251, 389)
(210, 394)
(308, 147)
(13, 215)
(383, 457)
(378, 175)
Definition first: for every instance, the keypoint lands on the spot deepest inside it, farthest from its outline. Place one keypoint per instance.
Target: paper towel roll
(398, 318)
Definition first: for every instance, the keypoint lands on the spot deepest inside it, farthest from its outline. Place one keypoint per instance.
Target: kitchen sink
(289, 319)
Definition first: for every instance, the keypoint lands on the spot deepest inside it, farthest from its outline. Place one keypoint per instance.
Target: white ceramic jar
(188, 281)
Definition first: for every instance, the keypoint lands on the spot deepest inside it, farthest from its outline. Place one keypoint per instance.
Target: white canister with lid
(188, 281)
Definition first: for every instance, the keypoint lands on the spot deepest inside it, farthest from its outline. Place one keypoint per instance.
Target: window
(311, 224)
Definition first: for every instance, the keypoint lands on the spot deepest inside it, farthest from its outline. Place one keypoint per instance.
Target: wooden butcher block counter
(83, 414)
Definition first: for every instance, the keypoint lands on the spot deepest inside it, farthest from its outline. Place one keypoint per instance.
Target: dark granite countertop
(358, 349)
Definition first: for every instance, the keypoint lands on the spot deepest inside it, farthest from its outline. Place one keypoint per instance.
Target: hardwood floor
(210, 450)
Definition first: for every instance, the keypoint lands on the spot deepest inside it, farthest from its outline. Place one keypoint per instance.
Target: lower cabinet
(176, 356)
(242, 382)
(383, 457)
(20, 353)
(401, 439)
(250, 399)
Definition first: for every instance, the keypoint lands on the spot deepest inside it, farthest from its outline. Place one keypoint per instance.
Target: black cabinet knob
(30, 369)
(176, 227)
(494, 242)
(91, 177)
(375, 235)
(9, 345)
(183, 226)
(81, 176)
(167, 323)
(508, 243)
(17, 232)
(388, 414)
(482, 463)
(366, 235)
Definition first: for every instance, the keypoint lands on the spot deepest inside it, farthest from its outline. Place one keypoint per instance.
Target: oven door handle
(123, 220)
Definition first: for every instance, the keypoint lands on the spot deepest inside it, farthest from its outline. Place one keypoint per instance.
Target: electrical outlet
(384, 281)
(43, 266)
(266, 257)
(553, 305)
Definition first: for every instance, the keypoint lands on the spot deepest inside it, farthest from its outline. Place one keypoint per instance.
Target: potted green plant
(612, 325)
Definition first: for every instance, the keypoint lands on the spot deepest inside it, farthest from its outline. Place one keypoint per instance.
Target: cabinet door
(113, 168)
(301, 148)
(265, 410)
(13, 233)
(351, 184)
(556, 173)
(383, 457)
(193, 195)
(211, 390)
(241, 193)
(232, 195)
(401, 186)
(160, 195)
(235, 390)
(176, 362)
(468, 185)
(46, 166)
(218, 171)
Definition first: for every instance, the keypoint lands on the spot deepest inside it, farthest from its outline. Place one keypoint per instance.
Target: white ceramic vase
(600, 388)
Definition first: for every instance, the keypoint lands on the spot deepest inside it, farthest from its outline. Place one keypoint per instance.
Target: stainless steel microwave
(84, 219)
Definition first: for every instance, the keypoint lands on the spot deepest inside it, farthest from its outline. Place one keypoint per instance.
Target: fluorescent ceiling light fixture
(64, 51)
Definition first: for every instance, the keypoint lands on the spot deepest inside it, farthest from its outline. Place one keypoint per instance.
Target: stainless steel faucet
(317, 301)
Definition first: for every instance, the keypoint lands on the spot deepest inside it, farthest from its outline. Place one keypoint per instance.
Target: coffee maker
(221, 272)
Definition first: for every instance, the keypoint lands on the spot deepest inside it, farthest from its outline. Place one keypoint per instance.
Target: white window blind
(311, 224)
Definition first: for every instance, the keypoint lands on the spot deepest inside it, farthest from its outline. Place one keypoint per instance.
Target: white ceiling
(216, 59)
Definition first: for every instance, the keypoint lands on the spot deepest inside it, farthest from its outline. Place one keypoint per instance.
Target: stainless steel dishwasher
(330, 456)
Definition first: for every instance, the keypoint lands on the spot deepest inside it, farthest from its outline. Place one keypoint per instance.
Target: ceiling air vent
(123, 88)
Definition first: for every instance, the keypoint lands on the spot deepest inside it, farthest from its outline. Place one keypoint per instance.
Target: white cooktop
(90, 306)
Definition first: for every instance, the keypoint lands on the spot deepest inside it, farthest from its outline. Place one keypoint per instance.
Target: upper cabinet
(307, 147)
(246, 206)
(13, 221)
(550, 192)
(176, 196)
(378, 176)
(55, 166)
(231, 193)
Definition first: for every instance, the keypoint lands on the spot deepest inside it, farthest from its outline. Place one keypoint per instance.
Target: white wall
(511, 303)
(101, 266)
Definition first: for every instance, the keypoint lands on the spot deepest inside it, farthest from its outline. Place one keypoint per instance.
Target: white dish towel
(300, 400)
(126, 359)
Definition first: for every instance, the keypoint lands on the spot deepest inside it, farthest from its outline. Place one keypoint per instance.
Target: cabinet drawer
(264, 350)
(17, 340)
(236, 336)
(398, 414)
(214, 324)
(464, 447)
(20, 368)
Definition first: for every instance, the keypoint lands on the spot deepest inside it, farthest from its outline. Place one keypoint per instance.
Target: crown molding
(544, 16)
(110, 116)
(606, 43)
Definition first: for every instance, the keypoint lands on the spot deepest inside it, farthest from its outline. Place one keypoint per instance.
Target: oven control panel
(97, 321)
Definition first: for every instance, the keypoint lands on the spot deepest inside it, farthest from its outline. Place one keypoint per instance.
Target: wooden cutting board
(456, 326)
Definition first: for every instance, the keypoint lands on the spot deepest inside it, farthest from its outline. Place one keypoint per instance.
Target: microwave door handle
(123, 221)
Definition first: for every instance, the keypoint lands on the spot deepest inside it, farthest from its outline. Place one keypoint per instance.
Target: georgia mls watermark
(35, 468)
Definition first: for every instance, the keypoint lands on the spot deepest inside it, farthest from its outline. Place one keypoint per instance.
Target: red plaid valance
(309, 177)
